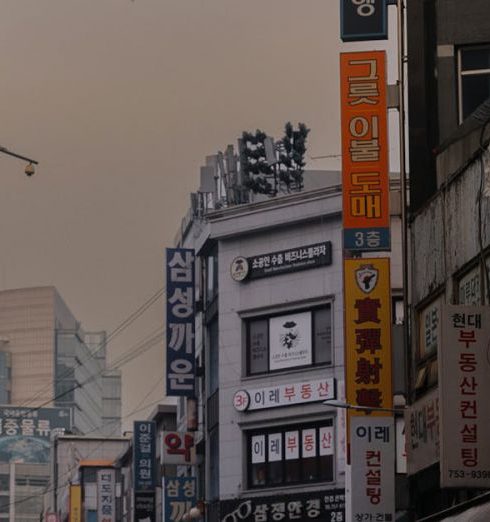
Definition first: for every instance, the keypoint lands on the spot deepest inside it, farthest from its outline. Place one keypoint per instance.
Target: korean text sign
(178, 448)
(363, 20)
(180, 322)
(144, 455)
(365, 173)
(373, 468)
(180, 496)
(106, 495)
(368, 374)
(464, 386)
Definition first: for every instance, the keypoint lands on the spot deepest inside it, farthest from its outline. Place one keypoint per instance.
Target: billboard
(75, 503)
(464, 388)
(144, 455)
(365, 173)
(367, 305)
(179, 497)
(178, 447)
(180, 322)
(106, 495)
(26, 433)
(363, 20)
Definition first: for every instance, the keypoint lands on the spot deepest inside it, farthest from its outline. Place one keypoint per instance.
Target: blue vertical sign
(180, 497)
(144, 455)
(363, 20)
(180, 322)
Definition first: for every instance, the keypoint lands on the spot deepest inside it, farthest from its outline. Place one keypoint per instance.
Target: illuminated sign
(365, 174)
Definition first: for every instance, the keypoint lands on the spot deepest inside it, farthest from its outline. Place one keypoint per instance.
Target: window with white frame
(473, 78)
(291, 454)
(286, 341)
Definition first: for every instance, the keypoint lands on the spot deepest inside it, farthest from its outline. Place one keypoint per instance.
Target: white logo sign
(239, 269)
(367, 278)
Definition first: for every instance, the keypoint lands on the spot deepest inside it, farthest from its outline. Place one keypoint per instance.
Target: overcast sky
(120, 101)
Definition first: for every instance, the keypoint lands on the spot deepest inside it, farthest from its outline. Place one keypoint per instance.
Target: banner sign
(464, 387)
(373, 468)
(144, 506)
(323, 505)
(75, 503)
(180, 322)
(285, 395)
(179, 497)
(144, 455)
(106, 495)
(178, 448)
(26, 433)
(363, 20)
(282, 262)
(365, 174)
(367, 293)
(422, 433)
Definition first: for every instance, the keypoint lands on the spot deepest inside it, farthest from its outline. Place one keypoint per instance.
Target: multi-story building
(50, 377)
(270, 351)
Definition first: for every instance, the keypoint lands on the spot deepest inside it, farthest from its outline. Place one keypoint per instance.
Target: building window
(280, 342)
(474, 78)
(291, 455)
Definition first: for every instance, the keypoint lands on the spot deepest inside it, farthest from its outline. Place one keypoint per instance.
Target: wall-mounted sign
(363, 20)
(144, 506)
(26, 433)
(365, 175)
(373, 468)
(75, 503)
(285, 395)
(179, 497)
(178, 447)
(282, 262)
(106, 495)
(180, 322)
(144, 455)
(422, 432)
(327, 504)
(368, 334)
(464, 385)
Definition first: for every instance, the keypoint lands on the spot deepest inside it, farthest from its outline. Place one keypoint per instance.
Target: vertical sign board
(144, 506)
(373, 462)
(363, 20)
(180, 322)
(106, 495)
(464, 387)
(365, 176)
(179, 496)
(75, 503)
(144, 455)
(178, 448)
(367, 304)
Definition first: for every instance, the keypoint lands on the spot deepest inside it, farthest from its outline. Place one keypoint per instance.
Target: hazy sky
(120, 101)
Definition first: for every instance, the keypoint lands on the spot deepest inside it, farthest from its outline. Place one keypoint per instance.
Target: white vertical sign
(373, 468)
(275, 447)
(292, 445)
(309, 443)
(464, 387)
(326, 441)
(258, 449)
(106, 502)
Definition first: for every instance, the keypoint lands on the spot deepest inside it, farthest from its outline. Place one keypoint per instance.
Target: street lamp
(368, 409)
(29, 170)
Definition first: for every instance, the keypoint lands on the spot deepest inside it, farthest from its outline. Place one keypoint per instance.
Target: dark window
(474, 71)
(291, 455)
(214, 464)
(213, 373)
(292, 340)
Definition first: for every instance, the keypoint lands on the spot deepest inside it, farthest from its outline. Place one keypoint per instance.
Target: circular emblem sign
(239, 268)
(241, 400)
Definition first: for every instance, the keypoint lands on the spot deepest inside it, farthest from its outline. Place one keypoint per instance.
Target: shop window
(293, 340)
(291, 455)
(473, 77)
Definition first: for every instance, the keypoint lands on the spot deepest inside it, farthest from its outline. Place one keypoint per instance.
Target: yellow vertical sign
(368, 373)
(75, 503)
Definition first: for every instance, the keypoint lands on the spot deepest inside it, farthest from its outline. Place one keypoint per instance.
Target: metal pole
(19, 156)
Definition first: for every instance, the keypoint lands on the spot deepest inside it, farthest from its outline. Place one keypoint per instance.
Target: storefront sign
(75, 503)
(464, 381)
(179, 497)
(180, 322)
(469, 288)
(282, 262)
(26, 433)
(373, 468)
(144, 506)
(363, 20)
(285, 395)
(144, 455)
(178, 448)
(327, 505)
(290, 341)
(422, 433)
(106, 495)
(368, 334)
(365, 175)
